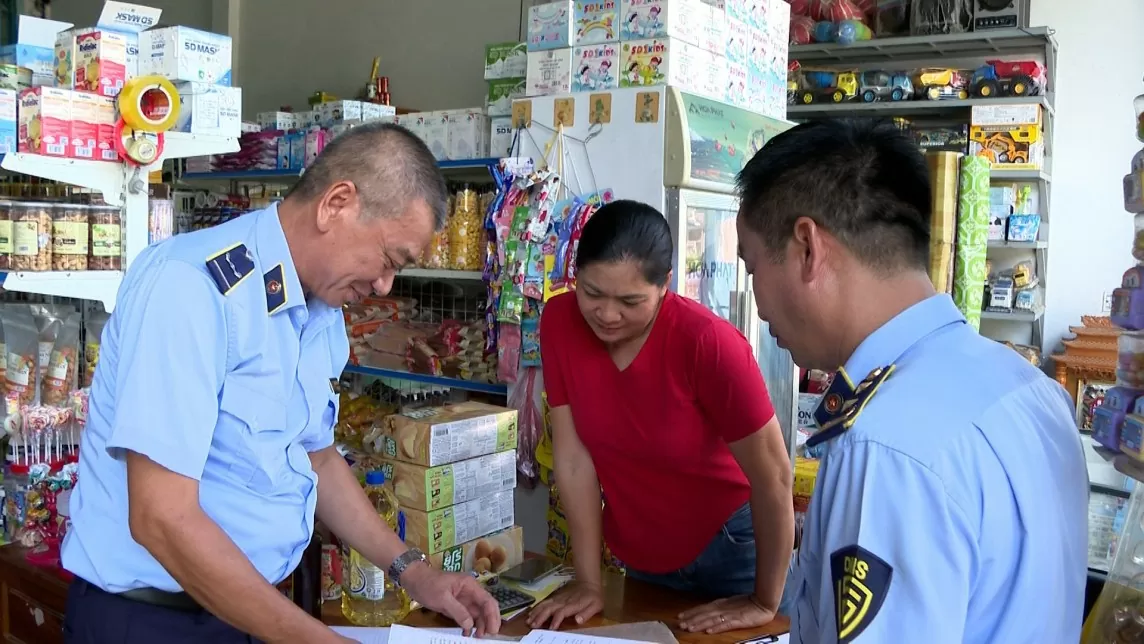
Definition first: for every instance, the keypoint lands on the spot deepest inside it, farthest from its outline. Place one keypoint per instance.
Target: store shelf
(104, 176)
(1033, 245)
(441, 274)
(291, 175)
(1014, 315)
(953, 108)
(1002, 42)
(440, 381)
(468, 164)
(87, 285)
(180, 145)
(998, 174)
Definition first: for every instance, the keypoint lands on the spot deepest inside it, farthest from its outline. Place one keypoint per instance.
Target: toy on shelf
(1108, 418)
(1008, 78)
(882, 86)
(820, 85)
(1128, 300)
(942, 84)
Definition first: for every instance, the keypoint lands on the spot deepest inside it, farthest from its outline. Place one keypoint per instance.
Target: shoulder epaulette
(230, 266)
(843, 419)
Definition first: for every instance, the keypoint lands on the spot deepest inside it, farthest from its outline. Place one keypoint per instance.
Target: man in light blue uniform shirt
(209, 446)
(951, 499)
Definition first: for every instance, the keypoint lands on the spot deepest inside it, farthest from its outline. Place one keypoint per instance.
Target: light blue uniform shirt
(955, 509)
(216, 367)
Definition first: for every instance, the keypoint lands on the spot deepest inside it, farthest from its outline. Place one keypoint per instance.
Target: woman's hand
(578, 601)
(727, 614)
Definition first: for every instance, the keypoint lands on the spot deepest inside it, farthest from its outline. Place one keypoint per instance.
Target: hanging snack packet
(60, 377)
(48, 324)
(92, 332)
(22, 344)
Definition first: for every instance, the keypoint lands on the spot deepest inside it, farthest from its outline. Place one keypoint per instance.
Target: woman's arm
(580, 494)
(763, 458)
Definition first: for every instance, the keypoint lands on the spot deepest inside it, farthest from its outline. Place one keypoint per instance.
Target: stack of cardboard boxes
(453, 470)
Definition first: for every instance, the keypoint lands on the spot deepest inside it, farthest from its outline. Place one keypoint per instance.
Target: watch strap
(403, 561)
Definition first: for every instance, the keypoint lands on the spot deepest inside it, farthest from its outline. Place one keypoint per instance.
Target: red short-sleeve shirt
(658, 430)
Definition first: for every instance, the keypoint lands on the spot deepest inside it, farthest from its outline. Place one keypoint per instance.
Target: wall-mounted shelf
(1033, 245)
(1002, 174)
(440, 381)
(101, 286)
(1003, 42)
(259, 176)
(442, 274)
(954, 108)
(1015, 315)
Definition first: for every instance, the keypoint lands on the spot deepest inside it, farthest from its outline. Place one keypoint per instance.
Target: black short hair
(863, 180)
(389, 165)
(628, 231)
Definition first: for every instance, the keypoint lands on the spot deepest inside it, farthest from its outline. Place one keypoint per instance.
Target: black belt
(176, 601)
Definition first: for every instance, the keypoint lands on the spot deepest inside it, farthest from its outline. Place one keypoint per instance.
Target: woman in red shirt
(659, 402)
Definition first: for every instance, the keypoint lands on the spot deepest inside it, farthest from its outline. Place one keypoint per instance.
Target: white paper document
(377, 635)
(557, 637)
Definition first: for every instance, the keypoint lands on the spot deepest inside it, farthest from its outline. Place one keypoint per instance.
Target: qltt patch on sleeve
(861, 580)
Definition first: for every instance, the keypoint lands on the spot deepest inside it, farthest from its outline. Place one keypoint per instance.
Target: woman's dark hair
(628, 231)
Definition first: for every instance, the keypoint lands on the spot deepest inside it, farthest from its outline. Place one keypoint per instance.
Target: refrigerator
(680, 153)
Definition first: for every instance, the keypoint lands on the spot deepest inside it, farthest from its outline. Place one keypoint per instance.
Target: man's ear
(339, 202)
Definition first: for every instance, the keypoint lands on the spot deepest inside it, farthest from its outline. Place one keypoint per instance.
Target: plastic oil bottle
(369, 596)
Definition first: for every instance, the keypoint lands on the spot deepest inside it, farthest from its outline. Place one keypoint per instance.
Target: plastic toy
(1106, 425)
(942, 84)
(880, 86)
(1008, 78)
(834, 86)
(1131, 434)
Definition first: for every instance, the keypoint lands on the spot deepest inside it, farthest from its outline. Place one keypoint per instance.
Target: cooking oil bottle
(369, 597)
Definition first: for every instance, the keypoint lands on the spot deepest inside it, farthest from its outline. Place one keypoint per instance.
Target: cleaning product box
(596, 67)
(691, 21)
(8, 128)
(419, 487)
(377, 112)
(93, 127)
(493, 553)
(435, 133)
(185, 54)
(283, 121)
(1010, 136)
(44, 121)
(550, 25)
(501, 94)
(505, 60)
(449, 433)
(434, 531)
(646, 63)
(595, 22)
(549, 72)
(334, 112)
(468, 134)
(501, 135)
(91, 60)
(210, 109)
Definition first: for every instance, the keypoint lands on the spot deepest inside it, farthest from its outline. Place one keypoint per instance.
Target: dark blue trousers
(98, 617)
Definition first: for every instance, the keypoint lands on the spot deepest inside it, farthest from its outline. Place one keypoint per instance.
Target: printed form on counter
(398, 634)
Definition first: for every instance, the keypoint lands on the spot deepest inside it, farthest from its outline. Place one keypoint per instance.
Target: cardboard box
(438, 530)
(377, 112)
(684, 20)
(433, 127)
(738, 85)
(283, 121)
(209, 109)
(450, 433)
(423, 488)
(1010, 136)
(45, 115)
(8, 128)
(468, 134)
(595, 22)
(595, 68)
(501, 136)
(550, 26)
(505, 60)
(807, 403)
(646, 63)
(185, 54)
(334, 112)
(91, 60)
(93, 127)
(549, 72)
(494, 553)
(501, 94)
(129, 20)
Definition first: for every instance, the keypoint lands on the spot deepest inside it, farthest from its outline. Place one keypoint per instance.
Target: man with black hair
(951, 499)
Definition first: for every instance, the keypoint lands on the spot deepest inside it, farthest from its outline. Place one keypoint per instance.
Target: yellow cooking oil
(369, 596)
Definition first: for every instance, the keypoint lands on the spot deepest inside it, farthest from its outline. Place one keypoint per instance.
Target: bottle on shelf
(369, 597)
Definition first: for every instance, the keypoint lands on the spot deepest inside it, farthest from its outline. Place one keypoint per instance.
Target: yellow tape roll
(149, 104)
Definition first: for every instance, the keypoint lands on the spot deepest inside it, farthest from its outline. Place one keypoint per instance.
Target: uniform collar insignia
(846, 407)
(230, 266)
(276, 295)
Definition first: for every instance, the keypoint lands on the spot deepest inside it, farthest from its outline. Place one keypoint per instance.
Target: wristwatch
(403, 561)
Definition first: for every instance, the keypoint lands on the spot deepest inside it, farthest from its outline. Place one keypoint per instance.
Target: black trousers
(98, 617)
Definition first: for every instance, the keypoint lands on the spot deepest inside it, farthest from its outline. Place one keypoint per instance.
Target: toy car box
(1010, 136)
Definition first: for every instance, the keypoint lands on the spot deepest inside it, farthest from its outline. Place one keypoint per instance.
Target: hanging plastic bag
(525, 399)
(92, 332)
(60, 377)
(22, 344)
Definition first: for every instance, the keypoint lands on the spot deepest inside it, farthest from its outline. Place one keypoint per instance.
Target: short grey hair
(390, 166)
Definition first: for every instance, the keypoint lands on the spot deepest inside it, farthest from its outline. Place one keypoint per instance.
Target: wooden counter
(33, 601)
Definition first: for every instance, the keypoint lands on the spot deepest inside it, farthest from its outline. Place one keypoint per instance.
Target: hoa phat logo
(705, 110)
(201, 47)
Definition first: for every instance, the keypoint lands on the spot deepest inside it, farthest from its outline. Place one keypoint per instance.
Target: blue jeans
(725, 568)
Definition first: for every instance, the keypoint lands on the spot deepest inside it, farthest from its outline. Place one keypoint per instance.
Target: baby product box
(1010, 136)
(277, 120)
(450, 433)
(185, 54)
(435, 133)
(691, 21)
(737, 85)
(550, 25)
(315, 140)
(549, 72)
(739, 41)
(501, 134)
(377, 112)
(297, 144)
(8, 128)
(334, 112)
(596, 67)
(423, 488)
(91, 60)
(772, 16)
(505, 60)
(437, 530)
(468, 135)
(210, 109)
(493, 553)
(595, 22)
(645, 63)
(44, 121)
(501, 94)
(93, 127)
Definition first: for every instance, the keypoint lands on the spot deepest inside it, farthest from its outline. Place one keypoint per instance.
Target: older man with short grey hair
(209, 445)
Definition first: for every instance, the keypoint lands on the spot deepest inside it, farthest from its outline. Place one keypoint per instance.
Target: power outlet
(1106, 303)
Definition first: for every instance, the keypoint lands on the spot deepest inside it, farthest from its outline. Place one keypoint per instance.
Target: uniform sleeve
(313, 441)
(895, 553)
(552, 334)
(728, 383)
(171, 336)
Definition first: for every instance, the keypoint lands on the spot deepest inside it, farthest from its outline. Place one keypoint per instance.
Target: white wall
(1099, 70)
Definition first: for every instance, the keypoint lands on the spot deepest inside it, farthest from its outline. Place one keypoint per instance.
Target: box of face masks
(209, 109)
(185, 54)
